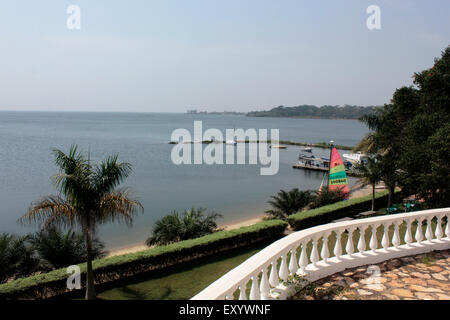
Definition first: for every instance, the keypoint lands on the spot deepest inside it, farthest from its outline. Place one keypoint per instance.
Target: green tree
(16, 257)
(190, 224)
(58, 249)
(326, 197)
(369, 174)
(88, 198)
(411, 136)
(286, 203)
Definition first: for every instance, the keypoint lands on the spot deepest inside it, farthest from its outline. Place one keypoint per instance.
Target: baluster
(284, 272)
(303, 262)
(419, 232)
(254, 291)
(349, 247)
(242, 289)
(362, 239)
(429, 231)
(396, 236)
(373, 238)
(273, 278)
(385, 240)
(264, 285)
(338, 246)
(314, 253)
(439, 232)
(447, 228)
(408, 236)
(293, 267)
(325, 254)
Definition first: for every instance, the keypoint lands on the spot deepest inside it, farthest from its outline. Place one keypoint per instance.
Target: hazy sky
(169, 56)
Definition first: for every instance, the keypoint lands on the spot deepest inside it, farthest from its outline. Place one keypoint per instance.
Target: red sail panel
(337, 177)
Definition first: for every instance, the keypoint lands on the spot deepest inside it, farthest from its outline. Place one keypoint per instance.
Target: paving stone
(421, 275)
(424, 289)
(435, 268)
(443, 296)
(375, 287)
(402, 293)
(396, 284)
(424, 296)
(364, 292)
(391, 296)
(439, 276)
(415, 281)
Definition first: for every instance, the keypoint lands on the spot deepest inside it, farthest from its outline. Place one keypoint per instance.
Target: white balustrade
(254, 272)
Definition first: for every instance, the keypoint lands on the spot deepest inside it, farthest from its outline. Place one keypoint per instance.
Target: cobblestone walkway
(422, 277)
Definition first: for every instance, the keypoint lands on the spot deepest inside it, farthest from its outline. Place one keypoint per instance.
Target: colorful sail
(337, 176)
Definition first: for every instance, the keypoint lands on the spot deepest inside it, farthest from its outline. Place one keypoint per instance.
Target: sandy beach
(360, 192)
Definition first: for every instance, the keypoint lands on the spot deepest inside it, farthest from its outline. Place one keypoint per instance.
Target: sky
(235, 55)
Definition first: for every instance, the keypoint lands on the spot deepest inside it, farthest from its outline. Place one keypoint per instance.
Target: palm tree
(16, 256)
(88, 197)
(370, 174)
(286, 203)
(58, 249)
(190, 224)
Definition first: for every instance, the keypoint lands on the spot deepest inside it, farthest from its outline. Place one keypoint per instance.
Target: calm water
(236, 191)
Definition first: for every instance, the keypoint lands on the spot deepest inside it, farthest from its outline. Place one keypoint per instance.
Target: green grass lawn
(181, 282)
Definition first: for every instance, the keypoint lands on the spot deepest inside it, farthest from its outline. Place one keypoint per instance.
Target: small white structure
(264, 265)
(355, 157)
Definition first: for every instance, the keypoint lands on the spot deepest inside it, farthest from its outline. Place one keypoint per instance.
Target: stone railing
(303, 253)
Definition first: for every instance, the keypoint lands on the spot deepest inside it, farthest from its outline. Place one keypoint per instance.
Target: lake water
(236, 191)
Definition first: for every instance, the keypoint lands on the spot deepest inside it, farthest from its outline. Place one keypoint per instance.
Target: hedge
(109, 269)
(326, 214)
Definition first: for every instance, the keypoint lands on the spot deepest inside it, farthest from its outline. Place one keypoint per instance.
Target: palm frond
(50, 210)
(118, 206)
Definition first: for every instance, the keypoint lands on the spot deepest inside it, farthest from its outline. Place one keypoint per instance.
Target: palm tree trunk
(90, 289)
(391, 195)
(373, 197)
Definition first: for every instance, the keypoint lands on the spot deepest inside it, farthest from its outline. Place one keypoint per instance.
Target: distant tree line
(311, 111)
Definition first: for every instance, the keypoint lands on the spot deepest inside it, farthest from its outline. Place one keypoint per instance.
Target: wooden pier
(315, 168)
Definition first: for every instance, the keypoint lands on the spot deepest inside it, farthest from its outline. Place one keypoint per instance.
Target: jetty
(318, 168)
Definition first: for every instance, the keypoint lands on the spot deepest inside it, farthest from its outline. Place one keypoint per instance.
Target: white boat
(232, 142)
(307, 149)
(355, 157)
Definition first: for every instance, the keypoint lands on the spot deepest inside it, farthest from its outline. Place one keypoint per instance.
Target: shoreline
(245, 222)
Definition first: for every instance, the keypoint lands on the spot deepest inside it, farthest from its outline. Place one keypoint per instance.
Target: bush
(57, 249)
(286, 203)
(326, 197)
(326, 214)
(119, 267)
(189, 224)
(16, 257)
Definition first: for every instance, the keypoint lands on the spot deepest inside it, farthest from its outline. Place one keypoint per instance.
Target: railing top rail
(262, 259)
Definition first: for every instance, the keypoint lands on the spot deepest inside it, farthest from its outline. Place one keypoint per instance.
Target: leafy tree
(326, 197)
(190, 224)
(88, 198)
(369, 174)
(286, 203)
(411, 136)
(58, 249)
(16, 257)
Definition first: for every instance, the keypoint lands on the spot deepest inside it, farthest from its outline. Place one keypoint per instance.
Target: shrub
(286, 203)
(57, 249)
(189, 224)
(326, 214)
(326, 197)
(16, 257)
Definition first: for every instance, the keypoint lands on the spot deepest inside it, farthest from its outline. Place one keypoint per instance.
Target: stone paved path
(422, 277)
